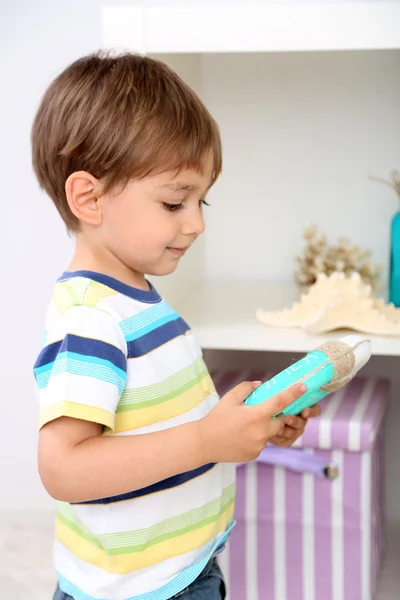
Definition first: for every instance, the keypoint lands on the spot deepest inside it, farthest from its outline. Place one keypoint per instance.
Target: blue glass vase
(394, 282)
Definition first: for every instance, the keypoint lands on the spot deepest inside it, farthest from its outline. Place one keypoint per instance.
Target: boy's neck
(88, 258)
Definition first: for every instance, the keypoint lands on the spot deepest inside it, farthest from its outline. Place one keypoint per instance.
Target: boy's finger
(278, 403)
(295, 422)
(281, 440)
(277, 425)
(238, 394)
(311, 413)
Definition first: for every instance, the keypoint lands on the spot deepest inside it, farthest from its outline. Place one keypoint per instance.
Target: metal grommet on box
(331, 471)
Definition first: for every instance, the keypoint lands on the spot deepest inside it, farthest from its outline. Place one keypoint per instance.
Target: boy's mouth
(178, 251)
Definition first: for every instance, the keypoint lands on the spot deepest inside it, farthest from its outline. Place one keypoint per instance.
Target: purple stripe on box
(265, 537)
(352, 395)
(373, 413)
(237, 542)
(382, 487)
(377, 510)
(381, 499)
(351, 524)
(323, 535)
(379, 521)
(294, 534)
(376, 534)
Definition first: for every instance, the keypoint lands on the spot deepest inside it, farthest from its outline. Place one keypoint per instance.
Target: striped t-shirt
(122, 357)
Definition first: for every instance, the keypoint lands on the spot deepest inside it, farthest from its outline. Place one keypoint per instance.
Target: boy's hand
(235, 432)
(295, 426)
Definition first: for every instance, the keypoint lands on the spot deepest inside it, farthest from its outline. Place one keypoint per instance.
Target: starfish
(337, 301)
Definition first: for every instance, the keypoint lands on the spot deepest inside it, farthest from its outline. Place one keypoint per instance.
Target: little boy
(134, 443)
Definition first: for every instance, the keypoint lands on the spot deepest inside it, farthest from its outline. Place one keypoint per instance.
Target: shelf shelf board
(253, 27)
(222, 316)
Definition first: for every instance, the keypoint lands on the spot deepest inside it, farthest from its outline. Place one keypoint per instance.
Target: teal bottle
(394, 282)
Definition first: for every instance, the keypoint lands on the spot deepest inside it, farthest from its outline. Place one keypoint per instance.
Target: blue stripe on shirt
(156, 338)
(84, 346)
(165, 484)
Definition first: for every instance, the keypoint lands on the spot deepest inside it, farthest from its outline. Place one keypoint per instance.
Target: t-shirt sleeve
(81, 370)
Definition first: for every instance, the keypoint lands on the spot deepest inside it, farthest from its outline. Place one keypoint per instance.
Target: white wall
(302, 133)
(37, 39)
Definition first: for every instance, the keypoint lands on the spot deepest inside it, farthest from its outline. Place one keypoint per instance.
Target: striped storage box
(302, 537)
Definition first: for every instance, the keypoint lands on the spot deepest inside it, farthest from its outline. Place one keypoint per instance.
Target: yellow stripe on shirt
(77, 411)
(127, 563)
(134, 419)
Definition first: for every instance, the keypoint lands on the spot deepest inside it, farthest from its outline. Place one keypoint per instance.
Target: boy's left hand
(294, 426)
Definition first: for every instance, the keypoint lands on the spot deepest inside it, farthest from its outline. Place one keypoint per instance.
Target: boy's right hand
(235, 432)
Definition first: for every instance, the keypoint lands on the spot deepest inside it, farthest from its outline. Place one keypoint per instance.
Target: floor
(25, 559)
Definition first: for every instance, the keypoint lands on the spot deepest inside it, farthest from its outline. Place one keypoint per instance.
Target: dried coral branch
(319, 257)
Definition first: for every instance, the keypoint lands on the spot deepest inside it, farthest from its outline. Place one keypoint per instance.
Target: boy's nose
(194, 225)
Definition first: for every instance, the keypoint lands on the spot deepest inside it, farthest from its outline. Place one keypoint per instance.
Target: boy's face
(152, 222)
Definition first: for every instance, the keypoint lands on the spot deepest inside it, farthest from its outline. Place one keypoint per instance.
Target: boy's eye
(172, 207)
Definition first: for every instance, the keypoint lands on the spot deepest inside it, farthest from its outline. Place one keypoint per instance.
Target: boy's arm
(77, 464)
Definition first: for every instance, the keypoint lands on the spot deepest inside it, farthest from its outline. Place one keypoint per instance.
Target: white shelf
(268, 27)
(223, 317)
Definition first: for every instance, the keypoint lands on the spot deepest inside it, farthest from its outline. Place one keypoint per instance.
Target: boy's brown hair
(118, 118)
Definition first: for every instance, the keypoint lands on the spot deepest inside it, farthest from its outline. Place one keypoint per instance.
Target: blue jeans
(208, 586)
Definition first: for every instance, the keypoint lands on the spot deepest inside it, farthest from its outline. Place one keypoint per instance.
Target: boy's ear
(82, 191)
